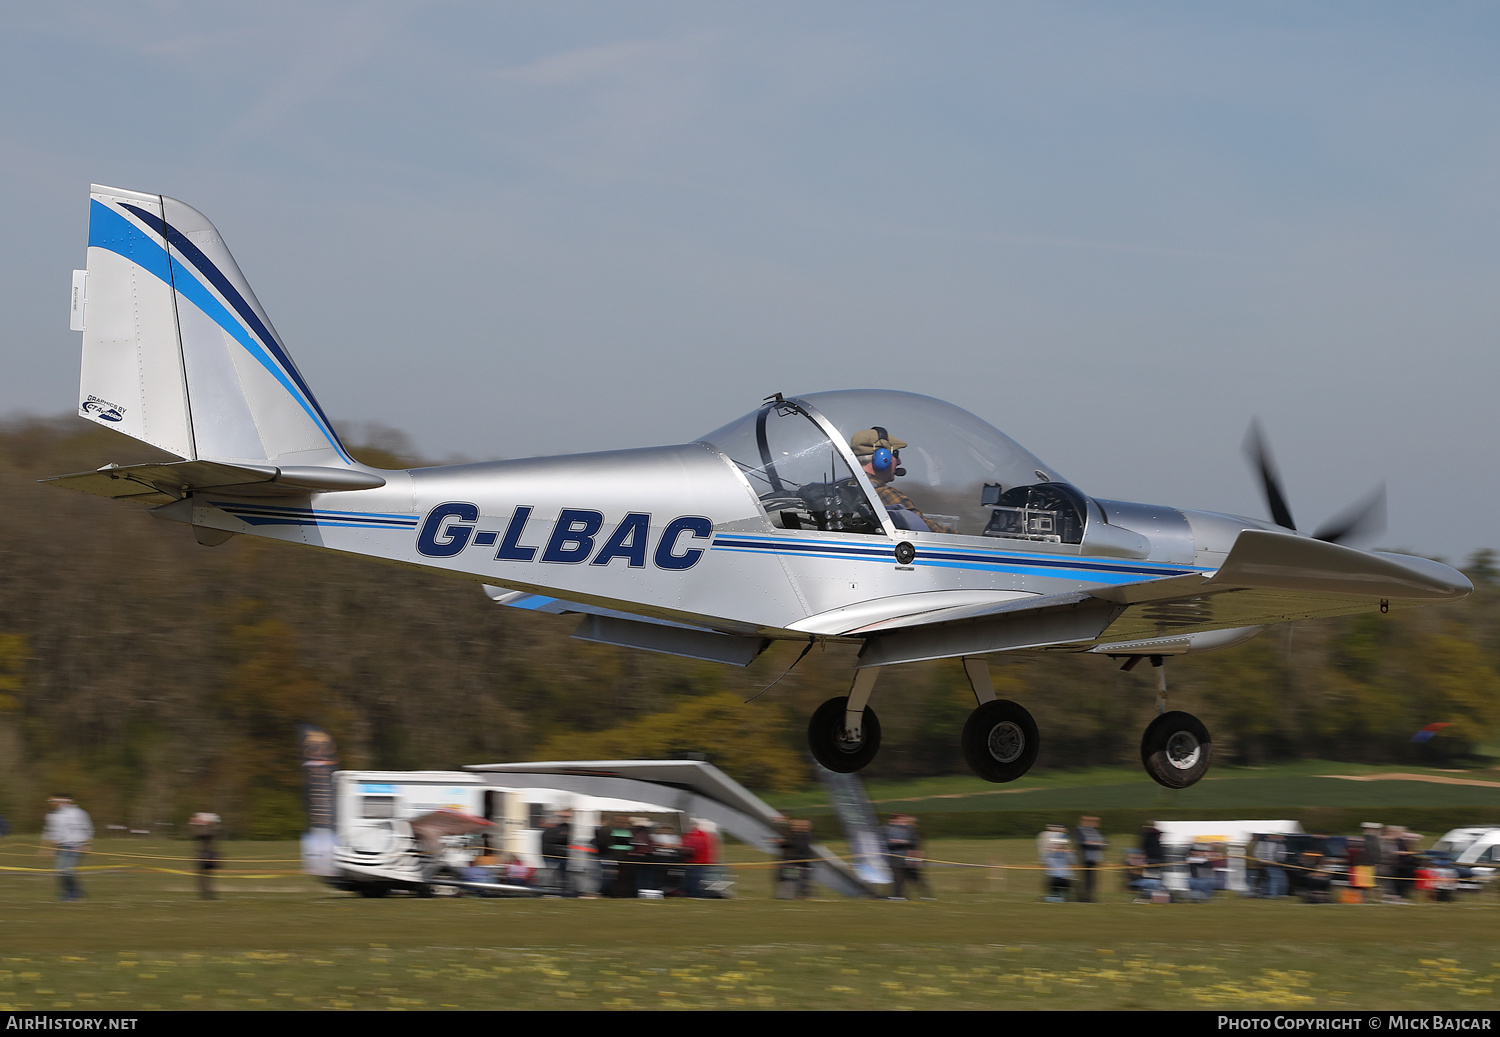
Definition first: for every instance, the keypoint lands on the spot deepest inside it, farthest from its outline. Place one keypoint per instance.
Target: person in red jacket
(702, 849)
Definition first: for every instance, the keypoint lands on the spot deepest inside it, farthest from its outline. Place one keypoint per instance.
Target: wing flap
(1227, 610)
(532, 602)
(648, 633)
(905, 610)
(1056, 619)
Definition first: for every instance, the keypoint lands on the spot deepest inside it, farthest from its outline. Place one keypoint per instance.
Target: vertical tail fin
(177, 351)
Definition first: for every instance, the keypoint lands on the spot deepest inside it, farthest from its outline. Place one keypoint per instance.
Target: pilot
(880, 454)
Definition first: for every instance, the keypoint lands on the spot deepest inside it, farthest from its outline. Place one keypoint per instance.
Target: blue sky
(1116, 231)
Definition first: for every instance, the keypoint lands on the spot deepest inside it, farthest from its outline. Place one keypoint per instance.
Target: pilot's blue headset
(884, 458)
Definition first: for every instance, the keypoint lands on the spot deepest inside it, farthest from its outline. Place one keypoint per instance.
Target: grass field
(1305, 783)
(276, 939)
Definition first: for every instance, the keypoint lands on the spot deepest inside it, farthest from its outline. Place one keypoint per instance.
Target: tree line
(152, 677)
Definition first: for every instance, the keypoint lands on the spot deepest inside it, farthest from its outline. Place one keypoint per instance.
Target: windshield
(803, 480)
(932, 467)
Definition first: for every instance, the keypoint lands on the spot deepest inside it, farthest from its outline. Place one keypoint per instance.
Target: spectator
(483, 870)
(1255, 874)
(517, 872)
(667, 856)
(557, 836)
(67, 835)
(701, 853)
(1151, 844)
(795, 873)
(904, 844)
(620, 861)
(642, 857)
(1200, 865)
(1272, 854)
(1317, 887)
(1091, 847)
(205, 829)
(1363, 861)
(1142, 880)
(1057, 864)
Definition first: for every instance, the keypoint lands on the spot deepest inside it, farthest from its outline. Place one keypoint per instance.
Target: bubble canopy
(808, 460)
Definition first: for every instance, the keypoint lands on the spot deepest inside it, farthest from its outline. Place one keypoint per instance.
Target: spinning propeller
(1364, 518)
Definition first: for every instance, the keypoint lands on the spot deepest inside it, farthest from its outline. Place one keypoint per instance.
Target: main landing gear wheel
(826, 738)
(1000, 741)
(1176, 749)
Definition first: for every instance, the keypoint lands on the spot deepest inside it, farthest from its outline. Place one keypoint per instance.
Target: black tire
(825, 737)
(1000, 741)
(1176, 750)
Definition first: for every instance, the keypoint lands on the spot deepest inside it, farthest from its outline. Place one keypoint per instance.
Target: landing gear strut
(844, 733)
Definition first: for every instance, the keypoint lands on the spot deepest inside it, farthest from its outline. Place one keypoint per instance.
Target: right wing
(1267, 578)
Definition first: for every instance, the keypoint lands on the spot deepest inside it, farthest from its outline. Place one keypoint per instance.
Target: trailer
(428, 832)
(480, 829)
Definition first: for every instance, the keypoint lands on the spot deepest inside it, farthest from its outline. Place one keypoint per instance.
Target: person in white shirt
(67, 834)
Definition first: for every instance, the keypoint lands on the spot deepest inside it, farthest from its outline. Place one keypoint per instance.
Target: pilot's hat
(867, 442)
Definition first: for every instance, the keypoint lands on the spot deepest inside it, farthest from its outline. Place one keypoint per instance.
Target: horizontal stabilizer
(163, 483)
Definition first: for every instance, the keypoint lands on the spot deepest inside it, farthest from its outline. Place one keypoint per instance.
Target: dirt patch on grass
(1435, 779)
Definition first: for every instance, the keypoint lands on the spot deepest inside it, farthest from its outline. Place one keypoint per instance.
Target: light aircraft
(884, 519)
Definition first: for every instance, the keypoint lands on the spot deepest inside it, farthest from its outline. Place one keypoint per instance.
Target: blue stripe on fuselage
(266, 520)
(289, 511)
(273, 515)
(955, 558)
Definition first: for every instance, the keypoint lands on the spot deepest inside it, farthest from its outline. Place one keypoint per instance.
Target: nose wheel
(1176, 750)
(1000, 741)
(834, 745)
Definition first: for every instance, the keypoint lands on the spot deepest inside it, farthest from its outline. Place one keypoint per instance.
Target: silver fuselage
(676, 533)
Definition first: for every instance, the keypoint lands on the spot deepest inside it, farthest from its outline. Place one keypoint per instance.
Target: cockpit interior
(944, 470)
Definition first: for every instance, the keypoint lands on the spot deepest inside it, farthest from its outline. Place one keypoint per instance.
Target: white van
(1481, 858)
(1455, 842)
